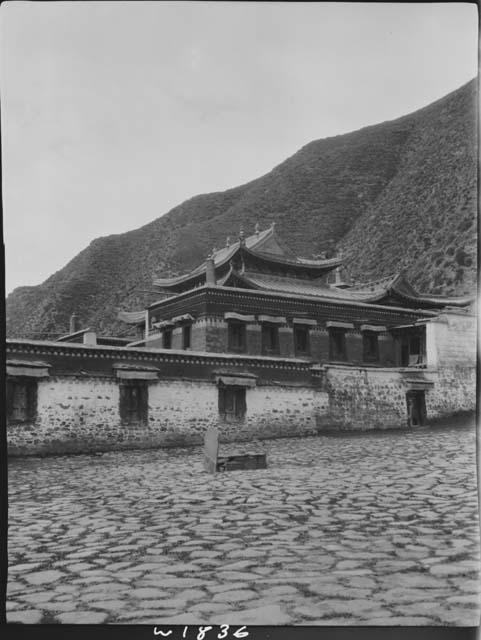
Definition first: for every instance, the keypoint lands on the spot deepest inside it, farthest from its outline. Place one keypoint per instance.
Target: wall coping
(368, 367)
(158, 354)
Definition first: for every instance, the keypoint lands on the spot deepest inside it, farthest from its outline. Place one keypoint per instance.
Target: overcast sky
(112, 113)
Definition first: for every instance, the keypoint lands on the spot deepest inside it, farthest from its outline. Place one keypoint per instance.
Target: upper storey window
(167, 339)
(237, 336)
(337, 344)
(370, 346)
(186, 336)
(270, 339)
(301, 340)
(412, 349)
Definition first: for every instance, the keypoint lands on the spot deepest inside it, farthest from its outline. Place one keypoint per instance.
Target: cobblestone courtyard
(371, 529)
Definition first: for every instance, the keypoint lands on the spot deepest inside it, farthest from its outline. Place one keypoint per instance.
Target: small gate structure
(213, 462)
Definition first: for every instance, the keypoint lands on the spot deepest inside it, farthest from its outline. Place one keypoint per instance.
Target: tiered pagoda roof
(263, 251)
(262, 262)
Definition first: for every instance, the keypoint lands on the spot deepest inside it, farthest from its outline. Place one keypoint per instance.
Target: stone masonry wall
(362, 399)
(375, 398)
(453, 392)
(73, 414)
(77, 414)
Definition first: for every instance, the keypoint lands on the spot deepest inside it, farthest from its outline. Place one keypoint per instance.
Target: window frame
(241, 327)
(239, 403)
(165, 333)
(186, 336)
(126, 412)
(366, 356)
(31, 399)
(300, 328)
(273, 330)
(336, 355)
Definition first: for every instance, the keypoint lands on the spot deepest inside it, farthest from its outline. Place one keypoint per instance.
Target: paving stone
(460, 618)
(55, 606)
(361, 581)
(237, 576)
(44, 577)
(450, 570)
(23, 568)
(240, 565)
(176, 604)
(103, 588)
(191, 594)
(397, 621)
(226, 586)
(351, 606)
(82, 617)
(272, 616)
(37, 598)
(471, 600)
(210, 607)
(147, 593)
(280, 590)
(77, 566)
(166, 619)
(29, 616)
(334, 621)
(245, 553)
(348, 564)
(182, 582)
(109, 605)
(237, 595)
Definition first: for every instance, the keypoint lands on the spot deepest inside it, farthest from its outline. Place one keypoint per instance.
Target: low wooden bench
(214, 463)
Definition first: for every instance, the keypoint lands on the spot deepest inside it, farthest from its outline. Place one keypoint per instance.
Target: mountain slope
(401, 194)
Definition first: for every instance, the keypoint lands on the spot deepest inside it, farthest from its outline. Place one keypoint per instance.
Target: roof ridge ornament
(242, 237)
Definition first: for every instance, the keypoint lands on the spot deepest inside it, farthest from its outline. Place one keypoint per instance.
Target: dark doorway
(416, 403)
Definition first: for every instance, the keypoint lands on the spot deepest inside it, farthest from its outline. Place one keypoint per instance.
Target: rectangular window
(337, 344)
(167, 339)
(411, 350)
(301, 340)
(270, 339)
(232, 402)
(370, 346)
(237, 336)
(21, 400)
(186, 334)
(134, 402)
